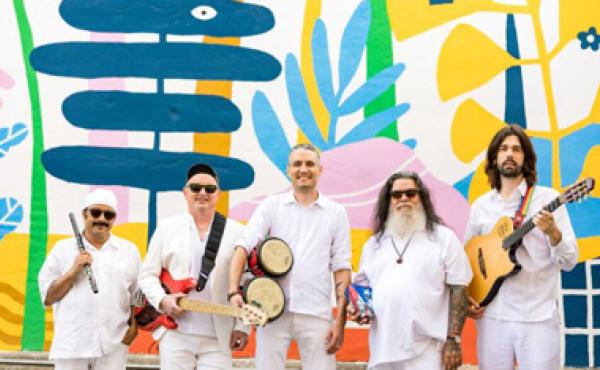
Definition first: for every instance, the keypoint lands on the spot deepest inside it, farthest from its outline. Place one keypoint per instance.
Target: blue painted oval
(155, 60)
(119, 110)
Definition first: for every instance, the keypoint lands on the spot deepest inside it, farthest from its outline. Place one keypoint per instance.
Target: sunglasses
(96, 212)
(208, 189)
(410, 193)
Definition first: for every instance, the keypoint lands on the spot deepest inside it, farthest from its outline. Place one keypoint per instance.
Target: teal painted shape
(11, 137)
(11, 215)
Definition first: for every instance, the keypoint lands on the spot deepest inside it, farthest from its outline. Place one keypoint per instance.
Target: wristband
(229, 295)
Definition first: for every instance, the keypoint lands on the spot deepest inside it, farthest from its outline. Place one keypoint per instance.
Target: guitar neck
(208, 307)
(528, 225)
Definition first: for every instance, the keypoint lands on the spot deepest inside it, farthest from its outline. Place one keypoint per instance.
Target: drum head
(266, 294)
(275, 257)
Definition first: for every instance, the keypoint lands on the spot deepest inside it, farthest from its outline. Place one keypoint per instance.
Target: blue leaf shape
(17, 134)
(299, 103)
(269, 133)
(371, 89)
(373, 124)
(11, 215)
(353, 44)
(322, 64)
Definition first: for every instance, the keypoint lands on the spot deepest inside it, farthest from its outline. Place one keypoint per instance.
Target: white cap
(101, 196)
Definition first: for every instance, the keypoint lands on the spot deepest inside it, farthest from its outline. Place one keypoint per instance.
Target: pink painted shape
(354, 180)
(6, 82)
(111, 138)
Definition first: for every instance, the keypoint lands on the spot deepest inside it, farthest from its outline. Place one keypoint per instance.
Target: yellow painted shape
(472, 129)
(469, 59)
(591, 168)
(312, 11)
(216, 143)
(595, 111)
(135, 232)
(409, 18)
(576, 16)
(589, 248)
(358, 238)
(479, 183)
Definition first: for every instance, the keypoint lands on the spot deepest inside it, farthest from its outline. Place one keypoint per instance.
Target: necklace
(400, 255)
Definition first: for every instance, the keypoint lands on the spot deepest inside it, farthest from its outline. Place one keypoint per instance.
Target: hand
(84, 258)
(335, 338)
(236, 300)
(130, 334)
(545, 222)
(169, 305)
(354, 315)
(451, 355)
(238, 340)
(474, 310)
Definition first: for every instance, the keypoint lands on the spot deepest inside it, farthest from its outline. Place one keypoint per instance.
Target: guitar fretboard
(208, 307)
(517, 235)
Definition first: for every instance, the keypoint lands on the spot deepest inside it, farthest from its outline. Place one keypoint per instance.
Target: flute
(87, 268)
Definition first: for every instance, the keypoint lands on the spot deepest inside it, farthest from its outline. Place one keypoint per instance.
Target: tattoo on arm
(458, 309)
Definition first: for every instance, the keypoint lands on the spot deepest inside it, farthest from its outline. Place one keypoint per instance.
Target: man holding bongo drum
(179, 245)
(318, 233)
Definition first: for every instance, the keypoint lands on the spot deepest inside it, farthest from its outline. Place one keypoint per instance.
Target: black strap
(211, 250)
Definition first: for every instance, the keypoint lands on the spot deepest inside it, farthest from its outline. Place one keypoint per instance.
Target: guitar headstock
(253, 315)
(578, 191)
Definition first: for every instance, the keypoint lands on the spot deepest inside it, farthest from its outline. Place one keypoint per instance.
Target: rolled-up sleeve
(565, 253)
(340, 249)
(50, 271)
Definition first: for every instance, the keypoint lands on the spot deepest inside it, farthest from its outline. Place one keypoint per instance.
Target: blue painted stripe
(140, 168)
(514, 109)
(117, 110)
(216, 17)
(155, 60)
(438, 2)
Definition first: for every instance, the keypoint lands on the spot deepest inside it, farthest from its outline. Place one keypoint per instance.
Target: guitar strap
(523, 207)
(211, 250)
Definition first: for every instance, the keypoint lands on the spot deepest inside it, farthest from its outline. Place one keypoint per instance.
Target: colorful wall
(128, 93)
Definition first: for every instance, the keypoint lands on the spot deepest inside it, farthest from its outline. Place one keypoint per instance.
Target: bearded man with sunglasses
(92, 331)
(201, 340)
(418, 272)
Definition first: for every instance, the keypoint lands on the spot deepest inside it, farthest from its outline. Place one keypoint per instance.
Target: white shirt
(411, 300)
(531, 295)
(88, 325)
(198, 323)
(319, 237)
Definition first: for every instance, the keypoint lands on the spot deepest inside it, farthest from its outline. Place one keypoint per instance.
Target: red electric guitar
(148, 318)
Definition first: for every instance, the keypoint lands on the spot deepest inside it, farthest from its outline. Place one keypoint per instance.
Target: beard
(406, 222)
(515, 171)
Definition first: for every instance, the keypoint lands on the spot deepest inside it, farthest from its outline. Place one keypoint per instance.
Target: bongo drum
(272, 257)
(266, 294)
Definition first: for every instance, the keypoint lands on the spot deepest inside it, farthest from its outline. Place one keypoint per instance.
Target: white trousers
(179, 351)
(115, 360)
(310, 332)
(429, 359)
(534, 345)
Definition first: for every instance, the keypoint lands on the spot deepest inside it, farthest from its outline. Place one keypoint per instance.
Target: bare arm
(335, 338)
(451, 353)
(236, 269)
(61, 286)
(132, 331)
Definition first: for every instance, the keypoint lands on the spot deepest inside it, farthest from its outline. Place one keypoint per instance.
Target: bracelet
(229, 295)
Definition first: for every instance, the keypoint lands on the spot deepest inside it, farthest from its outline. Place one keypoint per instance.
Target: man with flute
(92, 330)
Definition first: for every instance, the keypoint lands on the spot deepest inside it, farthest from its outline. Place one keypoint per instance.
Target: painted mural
(128, 94)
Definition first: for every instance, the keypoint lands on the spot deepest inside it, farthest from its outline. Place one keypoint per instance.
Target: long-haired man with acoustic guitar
(179, 245)
(521, 322)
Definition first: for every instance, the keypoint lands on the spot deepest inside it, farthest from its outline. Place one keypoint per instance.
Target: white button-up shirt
(411, 299)
(531, 295)
(319, 237)
(88, 325)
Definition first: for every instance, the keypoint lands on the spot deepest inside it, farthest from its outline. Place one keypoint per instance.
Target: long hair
(491, 167)
(383, 203)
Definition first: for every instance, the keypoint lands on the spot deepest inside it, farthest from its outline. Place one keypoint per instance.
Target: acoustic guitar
(493, 256)
(148, 318)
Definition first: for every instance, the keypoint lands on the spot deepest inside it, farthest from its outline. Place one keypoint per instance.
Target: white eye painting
(204, 12)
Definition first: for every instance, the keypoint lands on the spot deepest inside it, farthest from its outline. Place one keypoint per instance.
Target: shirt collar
(109, 243)
(521, 190)
(290, 199)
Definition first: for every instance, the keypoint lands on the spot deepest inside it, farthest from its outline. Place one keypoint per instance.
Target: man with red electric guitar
(185, 245)
(521, 322)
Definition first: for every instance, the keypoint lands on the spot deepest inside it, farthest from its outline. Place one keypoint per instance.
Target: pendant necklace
(400, 255)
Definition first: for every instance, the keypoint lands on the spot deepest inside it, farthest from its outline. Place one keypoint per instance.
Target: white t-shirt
(319, 237)
(531, 295)
(88, 325)
(411, 299)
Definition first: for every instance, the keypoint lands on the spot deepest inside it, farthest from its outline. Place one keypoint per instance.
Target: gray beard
(405, 223)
